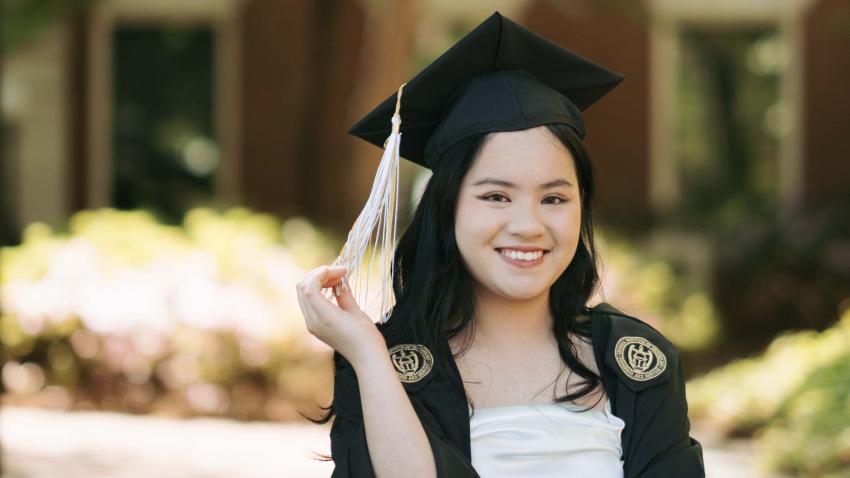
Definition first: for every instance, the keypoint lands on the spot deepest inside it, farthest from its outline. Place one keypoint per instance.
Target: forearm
(398, 445)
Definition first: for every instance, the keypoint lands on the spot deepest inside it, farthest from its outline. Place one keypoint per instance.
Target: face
(520, 196)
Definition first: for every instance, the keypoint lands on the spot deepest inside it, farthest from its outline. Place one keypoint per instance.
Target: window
(164, 147)
(729, 122)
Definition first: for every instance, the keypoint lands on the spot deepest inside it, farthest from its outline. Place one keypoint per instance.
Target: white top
(546, 441)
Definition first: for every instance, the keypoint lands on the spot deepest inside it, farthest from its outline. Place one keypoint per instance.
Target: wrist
(371, 357)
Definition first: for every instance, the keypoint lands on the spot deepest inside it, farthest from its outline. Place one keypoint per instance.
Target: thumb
(345, 299)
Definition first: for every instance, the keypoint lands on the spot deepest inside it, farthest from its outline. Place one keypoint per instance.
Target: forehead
(533, 154)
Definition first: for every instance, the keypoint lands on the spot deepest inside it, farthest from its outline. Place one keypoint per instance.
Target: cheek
(475, 230)
(574, 222)
(473, 220)
(464, 225)
(568, 226)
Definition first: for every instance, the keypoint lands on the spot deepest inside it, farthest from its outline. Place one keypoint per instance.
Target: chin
(525, 297)
(526, 294)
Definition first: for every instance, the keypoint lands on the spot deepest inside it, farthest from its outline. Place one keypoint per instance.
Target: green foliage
(745, 394)
(795, 398)
(25, 19)
(658, 290)
(810, 435)
(726, 141)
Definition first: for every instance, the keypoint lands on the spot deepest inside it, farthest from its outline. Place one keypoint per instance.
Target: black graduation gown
(641, 372)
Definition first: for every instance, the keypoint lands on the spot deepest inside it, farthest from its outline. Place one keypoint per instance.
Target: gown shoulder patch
(640, 355)
(412, 358)
(412, 362)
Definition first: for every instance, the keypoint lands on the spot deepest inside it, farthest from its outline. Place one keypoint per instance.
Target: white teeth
(525, 256)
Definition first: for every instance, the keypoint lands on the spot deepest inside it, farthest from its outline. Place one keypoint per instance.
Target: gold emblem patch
(639, 359)
(412, 361)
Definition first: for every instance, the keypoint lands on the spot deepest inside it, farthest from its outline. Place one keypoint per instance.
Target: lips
(520, 261)
(522, 250)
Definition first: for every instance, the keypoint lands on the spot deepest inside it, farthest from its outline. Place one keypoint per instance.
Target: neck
(507, 325)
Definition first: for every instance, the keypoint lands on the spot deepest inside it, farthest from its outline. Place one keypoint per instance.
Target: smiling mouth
(522, 258)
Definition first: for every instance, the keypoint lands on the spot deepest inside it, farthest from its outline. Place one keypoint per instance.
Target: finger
(318, 278)
(306, 310)
(311, 290)
(316, 301)
(326, 275)
(308, 288)
(316, 320)
(334, 276)
(345, 299)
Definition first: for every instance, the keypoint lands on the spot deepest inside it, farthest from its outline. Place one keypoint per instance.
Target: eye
(486, 198)
(560, 199)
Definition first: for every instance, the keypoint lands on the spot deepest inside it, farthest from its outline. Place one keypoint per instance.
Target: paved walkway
(47, 444)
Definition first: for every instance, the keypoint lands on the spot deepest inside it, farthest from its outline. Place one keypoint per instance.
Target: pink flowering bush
(124, 313)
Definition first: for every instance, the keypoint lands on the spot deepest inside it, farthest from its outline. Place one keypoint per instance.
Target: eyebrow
(507, 184)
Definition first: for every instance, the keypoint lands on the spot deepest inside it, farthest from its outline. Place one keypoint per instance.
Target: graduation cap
(499, 77)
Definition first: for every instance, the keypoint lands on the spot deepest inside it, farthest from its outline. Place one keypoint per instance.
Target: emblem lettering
(412, 362)
(639, 358)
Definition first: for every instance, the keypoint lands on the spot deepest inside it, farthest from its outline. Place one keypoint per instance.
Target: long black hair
(433, 290)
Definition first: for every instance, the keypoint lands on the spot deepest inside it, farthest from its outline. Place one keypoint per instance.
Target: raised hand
(343, 326)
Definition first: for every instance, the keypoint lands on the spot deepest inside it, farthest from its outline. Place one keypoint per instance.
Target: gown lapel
(622, 398)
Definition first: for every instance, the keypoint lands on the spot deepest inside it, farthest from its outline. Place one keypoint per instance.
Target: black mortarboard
(499, 77)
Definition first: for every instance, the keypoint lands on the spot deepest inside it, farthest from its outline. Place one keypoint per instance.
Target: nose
(525, 220)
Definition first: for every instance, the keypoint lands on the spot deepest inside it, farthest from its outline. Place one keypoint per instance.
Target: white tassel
(379, 215)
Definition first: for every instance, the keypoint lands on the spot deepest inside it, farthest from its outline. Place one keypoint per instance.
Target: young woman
(491, 364)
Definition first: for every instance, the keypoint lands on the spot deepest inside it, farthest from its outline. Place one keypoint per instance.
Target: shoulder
(640, 355)
(622, 324)
(413, 356)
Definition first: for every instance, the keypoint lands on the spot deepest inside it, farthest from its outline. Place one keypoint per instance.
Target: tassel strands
(378, 218)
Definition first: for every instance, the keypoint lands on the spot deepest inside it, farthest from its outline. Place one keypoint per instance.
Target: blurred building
(166, 105)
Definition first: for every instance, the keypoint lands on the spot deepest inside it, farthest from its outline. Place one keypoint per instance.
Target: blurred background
(169, 170)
